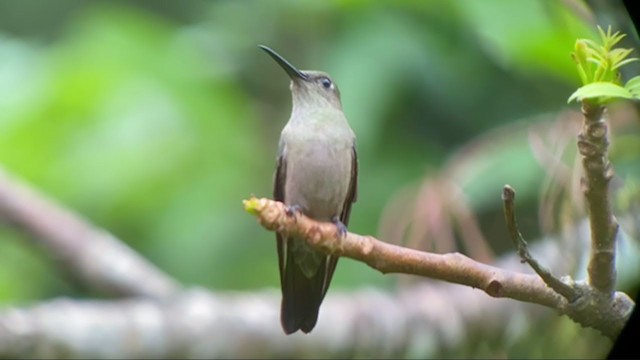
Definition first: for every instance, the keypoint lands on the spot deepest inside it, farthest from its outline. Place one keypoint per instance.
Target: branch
(425, 319)
(592, 145)
(388, 258)
(587, 305)
(87, 254)
(590, 309)
(508, 198)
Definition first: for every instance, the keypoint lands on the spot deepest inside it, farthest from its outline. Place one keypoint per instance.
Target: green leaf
(624, 62)
(600, 74)
(603, 36)
(633, 86)
(618, 55)
(595, 61)
(600, 90)
(615, 39)
(581, 52)
(592, 44)
(583, 75)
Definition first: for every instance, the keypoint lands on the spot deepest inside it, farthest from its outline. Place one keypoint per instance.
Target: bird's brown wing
(301, 296)
(278, 194)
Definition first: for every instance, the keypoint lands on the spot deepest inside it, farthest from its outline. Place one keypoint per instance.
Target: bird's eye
(326, 83)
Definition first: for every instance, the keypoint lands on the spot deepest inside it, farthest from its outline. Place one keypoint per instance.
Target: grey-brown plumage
(316, 173)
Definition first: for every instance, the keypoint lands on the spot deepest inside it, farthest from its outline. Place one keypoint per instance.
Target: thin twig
(508, 198)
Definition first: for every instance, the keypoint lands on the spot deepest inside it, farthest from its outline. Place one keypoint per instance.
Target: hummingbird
(316, 174)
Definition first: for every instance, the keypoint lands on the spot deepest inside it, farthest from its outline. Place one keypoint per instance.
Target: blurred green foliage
(154, 120)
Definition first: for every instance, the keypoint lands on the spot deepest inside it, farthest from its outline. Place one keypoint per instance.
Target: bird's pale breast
(318, 173)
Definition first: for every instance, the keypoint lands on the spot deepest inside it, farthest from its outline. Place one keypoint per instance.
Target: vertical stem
(593, 143)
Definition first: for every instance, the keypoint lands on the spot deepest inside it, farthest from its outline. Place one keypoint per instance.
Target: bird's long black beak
(291, 70)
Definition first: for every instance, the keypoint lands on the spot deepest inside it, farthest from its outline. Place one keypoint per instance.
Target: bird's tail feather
(301, 298)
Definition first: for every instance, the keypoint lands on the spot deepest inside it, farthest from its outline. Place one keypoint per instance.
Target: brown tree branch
(87, 254)
(598, 171)
(508, 198)
(389, 258)
(607, 315)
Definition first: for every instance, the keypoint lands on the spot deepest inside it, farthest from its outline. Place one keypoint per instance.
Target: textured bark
(593, 144)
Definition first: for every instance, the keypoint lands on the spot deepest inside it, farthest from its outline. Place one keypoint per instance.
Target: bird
(317, 175)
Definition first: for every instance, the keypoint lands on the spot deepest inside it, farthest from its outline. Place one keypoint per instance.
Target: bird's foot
(293, 209)
(342, 228)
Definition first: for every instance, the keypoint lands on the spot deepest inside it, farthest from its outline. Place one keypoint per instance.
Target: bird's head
(308, 87)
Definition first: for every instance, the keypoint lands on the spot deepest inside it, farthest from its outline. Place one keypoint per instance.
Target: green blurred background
(154, 119)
